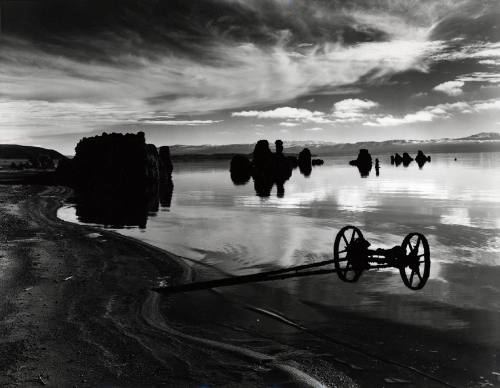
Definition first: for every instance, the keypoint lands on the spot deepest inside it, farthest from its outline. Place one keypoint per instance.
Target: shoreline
(57, 291)
(79, 310)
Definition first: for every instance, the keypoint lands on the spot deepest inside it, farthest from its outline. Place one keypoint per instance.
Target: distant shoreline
(351, 150)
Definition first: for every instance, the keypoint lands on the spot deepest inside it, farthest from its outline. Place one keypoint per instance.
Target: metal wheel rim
(344, 238)
(415, 276)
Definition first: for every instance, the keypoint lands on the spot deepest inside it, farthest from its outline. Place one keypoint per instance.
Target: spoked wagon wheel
(415, 266)
(341, 254)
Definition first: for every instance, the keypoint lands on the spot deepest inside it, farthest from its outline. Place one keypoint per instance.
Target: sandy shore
(77, 311)
(58, 281)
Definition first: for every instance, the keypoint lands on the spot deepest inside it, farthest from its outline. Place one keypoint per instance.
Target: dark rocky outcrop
(115, 160)
(241, 169)
(305, 162)
(269, 168)
(294, 162)
(317, 162)
(262, 156)
(398, 159)
(166, 166)
(118, 179)
(363, 162)
(421, 158)
(407, 159)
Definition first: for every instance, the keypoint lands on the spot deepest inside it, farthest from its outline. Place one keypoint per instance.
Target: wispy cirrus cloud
(104, 64)
(140, 71)
(431, 113)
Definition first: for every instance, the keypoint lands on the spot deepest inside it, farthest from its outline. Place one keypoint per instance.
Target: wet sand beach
(77, 311)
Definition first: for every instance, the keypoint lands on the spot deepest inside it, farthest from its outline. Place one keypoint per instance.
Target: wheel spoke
(342, 251)
(345, 239)
(418, 273)
(417, 244)
(409, 244)
(411, 277)
(423, 254)
(352, 235)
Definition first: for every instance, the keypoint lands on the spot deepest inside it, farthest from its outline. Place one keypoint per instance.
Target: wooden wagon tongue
(258, 277)
(351, 256)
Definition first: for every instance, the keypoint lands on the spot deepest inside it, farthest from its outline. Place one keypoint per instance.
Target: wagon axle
(351, 257)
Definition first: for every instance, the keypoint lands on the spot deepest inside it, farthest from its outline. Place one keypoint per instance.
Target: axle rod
(284, 273)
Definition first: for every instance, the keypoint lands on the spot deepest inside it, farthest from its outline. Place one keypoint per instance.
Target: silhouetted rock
(282, 165)
(294, 162)
(421, 159)
(268, 169)
(262, 156)
(152, 167)
(304, 161)
(364, 158)
(115, 160)
(363, 162)
(279, 147)
(263, 184)
(392, 159)
(317, 162)
(398, 159)
(241, 169)
(166, 166)
(116, 207)
(64, 171)
(118, 179)
(377, 167)
(304, 156)
(407, 159)
(166, 192)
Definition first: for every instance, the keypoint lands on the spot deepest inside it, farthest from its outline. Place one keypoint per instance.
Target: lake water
(454, 203)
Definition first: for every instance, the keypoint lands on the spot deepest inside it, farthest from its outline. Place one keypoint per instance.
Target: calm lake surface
(455, 204)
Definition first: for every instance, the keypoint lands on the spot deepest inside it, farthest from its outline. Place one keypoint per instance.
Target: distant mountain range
(481, 142)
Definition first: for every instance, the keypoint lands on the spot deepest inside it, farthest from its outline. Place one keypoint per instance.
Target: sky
(235, 71)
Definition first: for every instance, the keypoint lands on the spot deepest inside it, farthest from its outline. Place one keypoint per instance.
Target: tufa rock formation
(241, 169)
(421, 159)
(407, 159)
(115, 160)
(398, 159)
(267, 168)
(118, 179)
(305, 163)
(363, 162)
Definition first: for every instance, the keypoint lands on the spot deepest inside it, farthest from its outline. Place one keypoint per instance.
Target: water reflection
(269, 168)
(455, 204)
(118, 207)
